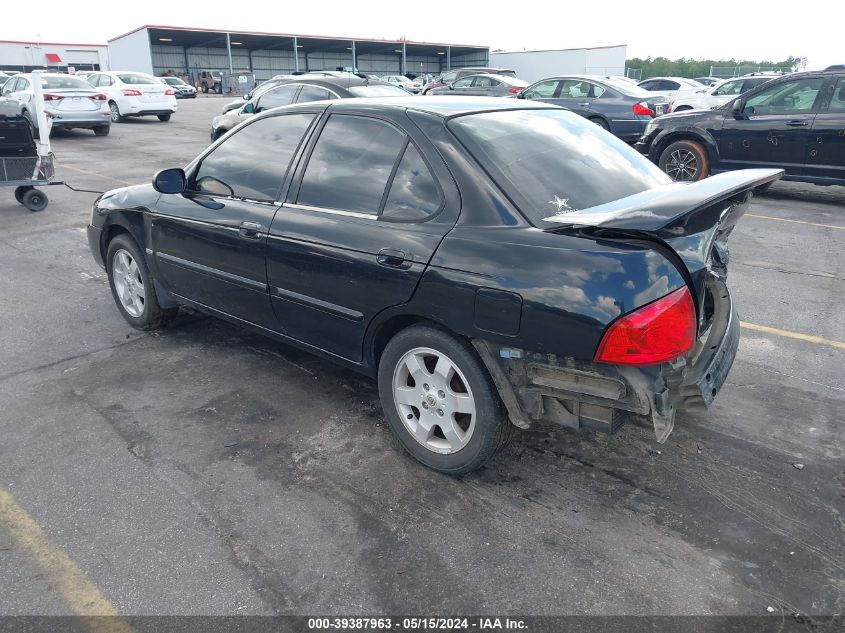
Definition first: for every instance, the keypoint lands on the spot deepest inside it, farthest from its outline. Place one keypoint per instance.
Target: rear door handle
(393, 258)
(584, 104)
(251, 230)
(797, 123)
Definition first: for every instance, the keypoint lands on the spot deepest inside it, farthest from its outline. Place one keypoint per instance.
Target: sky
(724, 30)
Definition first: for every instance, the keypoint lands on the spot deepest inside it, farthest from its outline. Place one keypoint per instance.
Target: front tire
(440, 402)
(600, 122)
(163, 117)
(132, 287)
(685, 161)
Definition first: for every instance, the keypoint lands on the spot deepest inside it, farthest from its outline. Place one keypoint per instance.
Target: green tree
(688, 67)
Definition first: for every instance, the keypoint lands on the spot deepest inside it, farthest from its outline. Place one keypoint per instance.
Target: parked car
(612, 103)
(133, 94)
(452, 76)
(486, 85)
(410, 85)
(259, 90)
(375, 233)
(793, 122)
(181, 89)
(210, 81)
(718, 94)
(670, 87)
(300, 90)
(69, 101)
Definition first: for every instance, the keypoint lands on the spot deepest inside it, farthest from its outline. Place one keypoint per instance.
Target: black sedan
(614, 103)
(491, 262)
(301, 91)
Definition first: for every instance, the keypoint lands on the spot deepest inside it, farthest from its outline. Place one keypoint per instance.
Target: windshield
(553, 162)
(136, 78)
(627, 88)
(57, 82)
(377, 91)
(173, 81)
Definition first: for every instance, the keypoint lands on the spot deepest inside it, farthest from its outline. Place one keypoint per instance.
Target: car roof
(446, 106)
(334, 82)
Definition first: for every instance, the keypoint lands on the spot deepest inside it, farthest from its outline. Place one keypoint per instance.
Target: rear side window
(313, 93)
(413, 194)
(252, 163)
(351, 164)
(837, 99)
(553, 162)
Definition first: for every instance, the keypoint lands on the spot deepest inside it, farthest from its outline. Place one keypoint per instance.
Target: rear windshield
(627, 88)
(136, 78)
(377, 91)
(54, 82)
(553, 162)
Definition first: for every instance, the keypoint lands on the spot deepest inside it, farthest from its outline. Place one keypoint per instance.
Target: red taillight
(656, 333)
(130, 92)
(642, 108)
(99, 97)
(515, 90)
(169, 92)
(49, 97)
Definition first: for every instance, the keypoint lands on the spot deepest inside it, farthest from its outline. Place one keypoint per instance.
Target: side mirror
(451, 86)
(521, 95)
(246, 97)
(249, 108)
(170, 181)
(736, 108)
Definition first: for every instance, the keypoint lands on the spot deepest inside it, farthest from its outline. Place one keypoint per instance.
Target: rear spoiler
(661, 210)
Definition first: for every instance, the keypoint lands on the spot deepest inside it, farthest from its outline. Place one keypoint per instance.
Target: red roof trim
(52, 44)
(315, 37)
(52, 57)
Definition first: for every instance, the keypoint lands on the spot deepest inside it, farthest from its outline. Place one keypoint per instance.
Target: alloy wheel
(682, 165)
(434, 400)
(128, 283)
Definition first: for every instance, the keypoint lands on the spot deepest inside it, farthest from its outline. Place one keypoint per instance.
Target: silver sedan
(484, 85)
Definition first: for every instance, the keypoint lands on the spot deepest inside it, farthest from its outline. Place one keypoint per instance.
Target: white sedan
(132, 93)
(671, 87)
(718, 94)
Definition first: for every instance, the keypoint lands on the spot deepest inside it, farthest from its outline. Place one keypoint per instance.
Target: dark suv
(794, 122)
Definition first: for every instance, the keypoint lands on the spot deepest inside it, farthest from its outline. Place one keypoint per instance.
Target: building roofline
(302, 35)
(52, 43)
(556, 50)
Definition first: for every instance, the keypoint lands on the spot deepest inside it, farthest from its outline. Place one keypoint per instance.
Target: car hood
(132, 197)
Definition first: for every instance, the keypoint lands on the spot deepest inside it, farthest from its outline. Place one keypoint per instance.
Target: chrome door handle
(251, 230)
(393, 258)
(584, 104)
(797, 123)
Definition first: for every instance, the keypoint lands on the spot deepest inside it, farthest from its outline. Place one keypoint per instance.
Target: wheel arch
(129, 222)
(667, 138)
(385, 327)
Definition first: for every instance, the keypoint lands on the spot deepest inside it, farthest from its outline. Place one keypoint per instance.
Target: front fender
(665, 137)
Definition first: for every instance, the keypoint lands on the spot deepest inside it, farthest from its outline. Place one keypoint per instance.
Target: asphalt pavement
(206, 470)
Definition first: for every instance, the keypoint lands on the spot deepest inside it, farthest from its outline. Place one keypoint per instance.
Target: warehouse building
(535, 65)
(186, 51)
(18, 56)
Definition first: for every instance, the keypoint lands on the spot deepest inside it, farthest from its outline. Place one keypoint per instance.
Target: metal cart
(26, 162)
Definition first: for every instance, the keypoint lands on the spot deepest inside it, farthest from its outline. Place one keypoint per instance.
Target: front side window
(253, 161)
(466, 82)
(413, 193)
(542, 90)
(448, 78)
(552, 162)
(787, 97)
(276, 98)
(729, 88)
(651, 86)
(837, 100)
(351, 164)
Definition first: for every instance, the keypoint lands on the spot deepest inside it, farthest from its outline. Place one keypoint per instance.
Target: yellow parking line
(77, 592)
(769, 217)
(93, 173)
(809, 338)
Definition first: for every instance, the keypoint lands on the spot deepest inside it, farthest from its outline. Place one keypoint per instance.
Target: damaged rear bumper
(582, 394)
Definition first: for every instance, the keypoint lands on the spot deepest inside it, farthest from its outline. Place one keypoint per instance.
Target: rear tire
(440, 401)
(163, 117)
(600, 122)
(116, 117)
(132, 286)
(103, 130)
(685, 161)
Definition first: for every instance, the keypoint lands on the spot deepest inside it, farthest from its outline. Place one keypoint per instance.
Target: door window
(413, 193)
(651, 86)
(351, 164)
(576, 89)
(837, 100)
(275, 98)
(729, 88)
(466, 82)
(313, 93)
(542, 90)
(252, 162)
(485, 81)
(787, 97)
(448, 78)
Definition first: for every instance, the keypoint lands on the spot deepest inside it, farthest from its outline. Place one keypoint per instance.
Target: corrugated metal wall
(269, 62)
